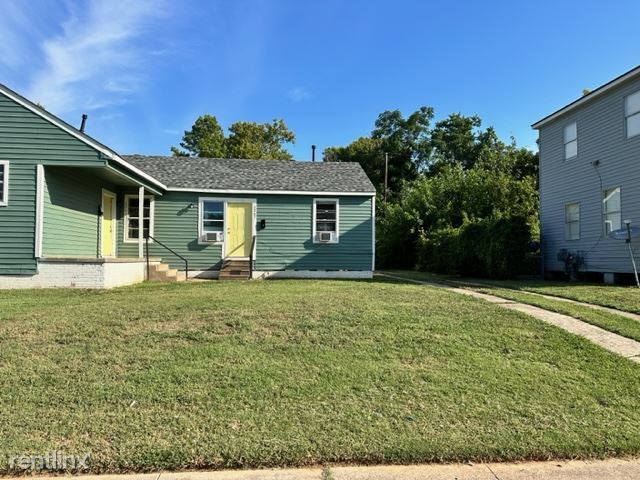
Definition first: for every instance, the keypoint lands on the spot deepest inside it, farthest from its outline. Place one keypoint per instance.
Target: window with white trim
(612, 210)
(325, 220)
(571, 141)
(4, 183)
(211, 220)
(132, 219)
(632, 114)
(572, 221)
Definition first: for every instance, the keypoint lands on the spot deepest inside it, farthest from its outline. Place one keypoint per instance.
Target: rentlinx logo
(51, 461)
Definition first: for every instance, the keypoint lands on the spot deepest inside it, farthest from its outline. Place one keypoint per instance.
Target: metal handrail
(251, 259)
(186, 262)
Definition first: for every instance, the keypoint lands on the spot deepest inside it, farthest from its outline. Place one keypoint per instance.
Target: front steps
(235, 269)
(160, 272)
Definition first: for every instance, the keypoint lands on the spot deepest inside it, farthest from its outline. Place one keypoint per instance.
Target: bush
(493, 248)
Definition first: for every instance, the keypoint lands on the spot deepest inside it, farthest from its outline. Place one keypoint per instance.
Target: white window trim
(225, 201)
(313, 220)
(604, 208)
(201, 230)
(125, 234)
(565, 143)
(628, 115)
(566, 223)
(5, 185)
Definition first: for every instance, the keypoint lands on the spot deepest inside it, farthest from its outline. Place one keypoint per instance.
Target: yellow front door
(108, 224)
(239, 229)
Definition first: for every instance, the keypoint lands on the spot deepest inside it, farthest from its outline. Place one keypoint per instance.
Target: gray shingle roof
(266, 175)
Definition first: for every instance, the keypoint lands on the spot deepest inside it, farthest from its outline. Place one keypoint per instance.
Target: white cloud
(298, 94)
(95, 62)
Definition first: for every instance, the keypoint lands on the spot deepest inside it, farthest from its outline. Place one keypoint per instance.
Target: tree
(458, 140)
(406, 141)
(366, 151)
(259, 140)
(205, 139)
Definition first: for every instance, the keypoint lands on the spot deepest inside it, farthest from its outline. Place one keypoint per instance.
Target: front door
(239, 229)
(108, 224)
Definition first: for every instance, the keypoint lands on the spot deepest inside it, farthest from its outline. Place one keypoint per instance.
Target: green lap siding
(72, 197)
(25, 141)
(285, 244)
(175, 225)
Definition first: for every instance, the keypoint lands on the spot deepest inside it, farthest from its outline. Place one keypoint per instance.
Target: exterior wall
(26, 140)
(601, 138)
(78, 274)
(285, 244)
(71, 222)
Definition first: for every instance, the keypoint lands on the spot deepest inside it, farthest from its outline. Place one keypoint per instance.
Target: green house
(74, 213)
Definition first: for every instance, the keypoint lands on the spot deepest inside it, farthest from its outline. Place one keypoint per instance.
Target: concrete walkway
(618, 469)
(623, 346)
(622, 313)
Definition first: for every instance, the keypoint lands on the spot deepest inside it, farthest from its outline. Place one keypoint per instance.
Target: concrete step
(162, 273)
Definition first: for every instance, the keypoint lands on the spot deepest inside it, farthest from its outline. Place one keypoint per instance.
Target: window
(612, 210)
(132, 217)
(4, 183)
(572, 221)
(571, 141)
(211, 216)
(632, 114)
(325, 220)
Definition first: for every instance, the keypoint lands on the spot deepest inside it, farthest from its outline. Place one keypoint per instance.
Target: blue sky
(144, 70)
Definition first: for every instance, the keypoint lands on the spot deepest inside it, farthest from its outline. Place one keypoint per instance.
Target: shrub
(494, 248)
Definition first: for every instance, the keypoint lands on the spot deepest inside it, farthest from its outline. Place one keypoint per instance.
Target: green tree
(405, 140)
(205, 139)
(458, 140)
(259, 140)
(366, 151)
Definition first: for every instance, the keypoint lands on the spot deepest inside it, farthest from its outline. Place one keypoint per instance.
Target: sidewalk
(615, 343)
(560, 470)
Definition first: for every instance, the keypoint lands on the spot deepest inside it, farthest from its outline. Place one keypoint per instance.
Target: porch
(81, 217)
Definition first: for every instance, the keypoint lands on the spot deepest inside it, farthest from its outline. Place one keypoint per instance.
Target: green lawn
(609, 321)
(624, 298)
(274, 373)
(524, 292)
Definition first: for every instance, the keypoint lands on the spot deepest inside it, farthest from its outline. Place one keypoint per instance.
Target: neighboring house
(75, 213)
(590, 179)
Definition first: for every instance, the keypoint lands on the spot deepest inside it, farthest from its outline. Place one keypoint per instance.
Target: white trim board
(329, 274)
(272, 192)
(61, 124)
(587, 98)
(39, 210)
(5, 184)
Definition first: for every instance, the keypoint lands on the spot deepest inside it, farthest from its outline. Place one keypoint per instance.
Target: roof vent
(84, 122)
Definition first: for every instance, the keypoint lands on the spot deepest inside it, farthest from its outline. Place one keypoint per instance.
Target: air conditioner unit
(325, 237)
(212, 237)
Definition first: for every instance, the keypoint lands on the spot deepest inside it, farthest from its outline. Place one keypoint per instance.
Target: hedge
(493, 248)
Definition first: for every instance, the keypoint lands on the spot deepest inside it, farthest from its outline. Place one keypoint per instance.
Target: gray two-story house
(590, 180)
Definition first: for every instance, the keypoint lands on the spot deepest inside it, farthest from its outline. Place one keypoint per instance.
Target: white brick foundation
(80, 273)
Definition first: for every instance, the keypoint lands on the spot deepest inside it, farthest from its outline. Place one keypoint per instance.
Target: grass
(521, 291)
(287, 373)
(623, 298)
(624, 326)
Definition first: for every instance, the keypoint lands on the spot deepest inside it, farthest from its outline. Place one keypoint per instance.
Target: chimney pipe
(313, 153)
(84, 122)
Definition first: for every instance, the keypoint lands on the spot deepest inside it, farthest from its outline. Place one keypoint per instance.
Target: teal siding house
(74, 213)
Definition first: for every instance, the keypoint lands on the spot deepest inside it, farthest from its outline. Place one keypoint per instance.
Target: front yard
(273, 373)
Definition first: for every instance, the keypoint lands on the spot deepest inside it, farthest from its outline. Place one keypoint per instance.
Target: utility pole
(386, 175)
